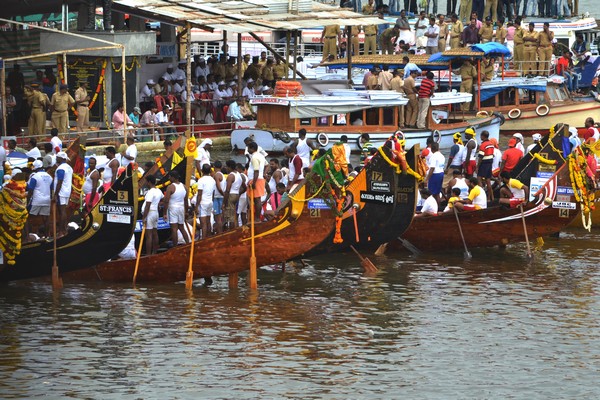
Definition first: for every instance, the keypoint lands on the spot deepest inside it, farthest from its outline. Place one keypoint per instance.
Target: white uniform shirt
(41, 192)
(65, 189)
(207, 184)
(131, 152)
(437, 161)
(430, 205)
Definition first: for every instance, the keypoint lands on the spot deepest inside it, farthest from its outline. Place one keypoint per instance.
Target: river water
(435, 327)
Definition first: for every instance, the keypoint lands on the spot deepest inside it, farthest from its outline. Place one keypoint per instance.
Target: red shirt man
(591, 131)
(511, 156)
(563, 64)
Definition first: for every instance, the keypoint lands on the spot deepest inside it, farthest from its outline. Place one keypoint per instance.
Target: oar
(529, 254)
(56, 281)
(253, 278)
(467, 252)
(189, 277)
(139, 253)
(409, 246)
(365, 262)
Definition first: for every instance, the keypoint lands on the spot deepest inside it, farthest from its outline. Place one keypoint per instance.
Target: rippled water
(429, 327)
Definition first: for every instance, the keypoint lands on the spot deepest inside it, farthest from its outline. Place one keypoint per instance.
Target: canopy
(491, 49)
(534, 85)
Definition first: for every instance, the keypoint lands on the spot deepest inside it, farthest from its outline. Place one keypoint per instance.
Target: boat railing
(115, 137)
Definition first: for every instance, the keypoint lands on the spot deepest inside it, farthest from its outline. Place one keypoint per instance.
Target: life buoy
(436, 135)
(499, 115)
(514, 113)
(542, 110)
(358, 143)
(482, 114)
(323, 139)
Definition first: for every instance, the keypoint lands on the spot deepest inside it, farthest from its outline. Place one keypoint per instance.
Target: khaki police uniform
(37, 119)
(545, 52)
(443, 36)
(519, 49)
(468, 74)
(83, 112)
(455, 34)
(330, 36)
(370, 39)
(60, 111)
(530, 44)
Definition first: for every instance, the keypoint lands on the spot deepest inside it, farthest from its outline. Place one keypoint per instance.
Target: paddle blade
(189, 279)
(368, 266)
(56, 281)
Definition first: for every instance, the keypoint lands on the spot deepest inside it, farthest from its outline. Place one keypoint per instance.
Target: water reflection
(496, 326)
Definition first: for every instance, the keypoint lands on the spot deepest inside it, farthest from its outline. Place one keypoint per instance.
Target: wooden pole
(124, 88)
(239, 65)
(189, 276)
(3, 94)
(56, 281)
(502, 66)
(188, 73)
(287, 54)
(259, 40)
(253, 278)
(478, 83)
(294, 61)
(225, 49)
(349, 52)
(66, 78)
(139, 253)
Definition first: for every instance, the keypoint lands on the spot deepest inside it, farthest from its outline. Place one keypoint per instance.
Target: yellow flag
(190, 148)
(595, 147)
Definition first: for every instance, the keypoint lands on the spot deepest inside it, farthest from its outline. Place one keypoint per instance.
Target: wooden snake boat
(301, 223)
(379, 205)
(104, 232)
(551, 210)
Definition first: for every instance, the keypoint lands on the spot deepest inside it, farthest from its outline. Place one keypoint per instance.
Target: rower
(430, 205)
(513, 192)
(477, 199)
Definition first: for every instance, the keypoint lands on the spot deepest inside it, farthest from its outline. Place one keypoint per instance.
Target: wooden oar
(253, 277)
(529, 254)
(189, 277)
(409, 246)
(365, 262)
(139, 253)
(56, 281)
(467, 252)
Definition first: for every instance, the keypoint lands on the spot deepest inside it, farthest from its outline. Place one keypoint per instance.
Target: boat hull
(572, 114)
(384, 203)
(272, 141)
(105, 232)
(300, 226)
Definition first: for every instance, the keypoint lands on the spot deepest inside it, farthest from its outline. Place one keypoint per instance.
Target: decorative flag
(190, 148)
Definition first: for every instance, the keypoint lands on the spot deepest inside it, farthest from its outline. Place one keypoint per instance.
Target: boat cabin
(376, 119)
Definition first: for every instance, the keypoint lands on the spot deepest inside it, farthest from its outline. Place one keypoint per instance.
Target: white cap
(150, 82)
(265, 88)
(573, 131)
(232, 83)
(206, 142)
(250, 81)
(222, 83)
(587, 54)
(518, 136)
(170, 66)
(37, 164)
(536, 137)
(62, 154)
